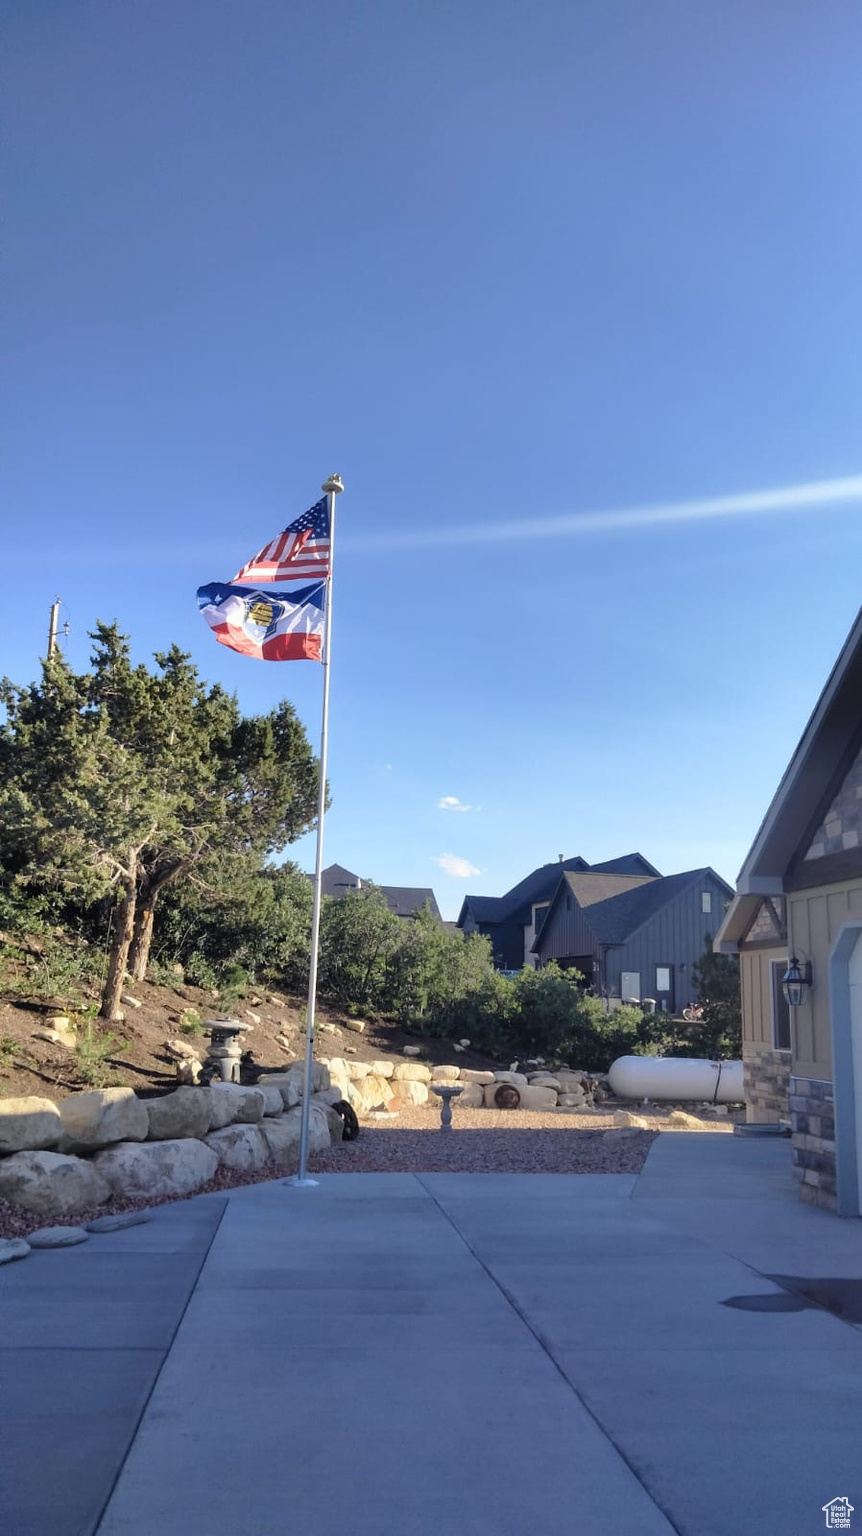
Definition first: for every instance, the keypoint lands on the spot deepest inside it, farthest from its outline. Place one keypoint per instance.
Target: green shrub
(93, 1051)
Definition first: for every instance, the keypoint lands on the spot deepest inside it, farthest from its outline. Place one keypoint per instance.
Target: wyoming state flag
(283, 625)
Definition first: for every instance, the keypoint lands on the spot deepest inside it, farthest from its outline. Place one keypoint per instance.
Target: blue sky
(496, 264)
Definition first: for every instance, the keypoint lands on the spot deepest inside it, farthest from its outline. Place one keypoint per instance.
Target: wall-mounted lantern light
(796, 981)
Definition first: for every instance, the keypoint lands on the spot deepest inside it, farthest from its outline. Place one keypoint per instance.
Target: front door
(664, 989)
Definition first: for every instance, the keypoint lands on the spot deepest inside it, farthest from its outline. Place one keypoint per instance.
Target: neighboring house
(799, 895)
(403, 900)
(512, 921)
(631, 936)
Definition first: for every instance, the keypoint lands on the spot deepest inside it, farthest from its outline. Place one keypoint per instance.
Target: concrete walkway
(493, 1354)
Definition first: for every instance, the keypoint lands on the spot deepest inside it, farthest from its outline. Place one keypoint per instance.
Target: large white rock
(288, 1085)
(625, 1120)
(273, 1104)
(473, 1075)
(157, 1167)
(472, 1096)
(412, 1050)
(230, 1104)
(328, 1096)
(445, 1074)
(51, 1182)
(376, 1091)
(185, 1112)
(545, 1080)
(319, 1074)
(335, 1124)
(337, 1066)
(412, 1072)
(282, 1134)
(570, 1082)
(244, 1148)
(104, 1115)
(517, 1079)
(29, 1124)
(409, 1092)
(357, 1069)
(535, 1096)
(381, 1068)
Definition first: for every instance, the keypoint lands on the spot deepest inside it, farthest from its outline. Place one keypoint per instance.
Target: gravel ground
(483, 1141)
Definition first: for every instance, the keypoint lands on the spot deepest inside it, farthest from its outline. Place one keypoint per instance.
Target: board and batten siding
(675, 936)
(566, 932)
(814, 919)
(755, 975)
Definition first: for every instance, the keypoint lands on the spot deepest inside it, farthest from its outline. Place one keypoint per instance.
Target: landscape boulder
(472, 1096)
(282, 1134)
(273, 1104)
(376, 1092)
(231, 1104)
(28, 1124)
(380, 1068)
(445, 1074)
(357, 1069)
(288, 1085)
(545, 1080)
(625, 1120)
(243, 1148)
(537, 1096)
(683, 1121)
(328, 1096)
(156, 1168)
(517, 1079)
(51, 1182)
(411, 1072)
(102, 1116)
(185, 1112)
(408, 1092)
(472, 1075)
(571, 1100)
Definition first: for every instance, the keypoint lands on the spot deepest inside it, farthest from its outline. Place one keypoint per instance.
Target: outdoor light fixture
(796, 981)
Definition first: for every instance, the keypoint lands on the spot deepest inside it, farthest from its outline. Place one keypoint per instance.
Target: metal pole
(52, 627)
(332, 486)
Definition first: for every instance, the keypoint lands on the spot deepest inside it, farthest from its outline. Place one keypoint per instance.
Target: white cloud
(452, 803)
(450, 864)
(824, 494)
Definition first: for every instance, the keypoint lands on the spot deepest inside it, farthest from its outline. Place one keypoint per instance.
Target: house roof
(403, 900)
(629, 864)
(820, 760)
(592, 887)
(615, 918)
(541, 884)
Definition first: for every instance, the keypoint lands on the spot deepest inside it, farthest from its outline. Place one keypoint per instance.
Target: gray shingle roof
(614, 919)
(591, 887)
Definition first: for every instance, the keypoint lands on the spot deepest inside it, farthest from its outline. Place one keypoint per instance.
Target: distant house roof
(592, 887)
(616, 917)
(403, 900)
(541, 884)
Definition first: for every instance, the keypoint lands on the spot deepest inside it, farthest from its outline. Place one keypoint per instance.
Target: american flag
(301, 551)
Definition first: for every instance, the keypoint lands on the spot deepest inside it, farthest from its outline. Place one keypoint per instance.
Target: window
(662, 978)
(780, 1008)
(706, 901)
(539, 914)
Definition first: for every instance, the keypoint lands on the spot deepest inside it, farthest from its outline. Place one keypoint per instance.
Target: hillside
(31, 1064)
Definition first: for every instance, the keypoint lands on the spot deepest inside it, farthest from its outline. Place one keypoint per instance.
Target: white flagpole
(332, 487)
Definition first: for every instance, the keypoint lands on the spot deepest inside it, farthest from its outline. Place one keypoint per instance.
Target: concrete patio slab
(395, 1353)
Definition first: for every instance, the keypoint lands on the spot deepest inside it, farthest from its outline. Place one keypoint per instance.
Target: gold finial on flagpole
(333, 484)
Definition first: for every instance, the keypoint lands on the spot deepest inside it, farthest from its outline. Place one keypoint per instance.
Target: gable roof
(629, 864)
(592, 886)
(403, 900)
(614, 919)
(821, 759)
(541, 884)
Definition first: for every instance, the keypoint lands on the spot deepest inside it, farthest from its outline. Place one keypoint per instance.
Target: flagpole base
(297, 1183)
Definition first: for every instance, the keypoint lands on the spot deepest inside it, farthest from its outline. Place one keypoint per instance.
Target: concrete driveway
(404, 1354)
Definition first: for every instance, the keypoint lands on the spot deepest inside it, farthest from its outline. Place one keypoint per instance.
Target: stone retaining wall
(372, 1087)
(812, 1119)
(107, 1143)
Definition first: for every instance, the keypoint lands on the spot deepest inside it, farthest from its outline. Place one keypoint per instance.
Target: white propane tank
(677, 1077)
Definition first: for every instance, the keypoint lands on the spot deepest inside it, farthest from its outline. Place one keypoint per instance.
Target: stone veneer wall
(812, 1118)
(766, 1077)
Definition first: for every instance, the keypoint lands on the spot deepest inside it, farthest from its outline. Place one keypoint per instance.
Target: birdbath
(446, 1092)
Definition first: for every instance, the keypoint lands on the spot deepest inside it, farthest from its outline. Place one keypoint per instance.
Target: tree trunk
(123, 931)
(140, 952)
